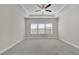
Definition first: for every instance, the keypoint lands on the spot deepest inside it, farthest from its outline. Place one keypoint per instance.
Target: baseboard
(70, 44)
(4, 50)
(40, 38)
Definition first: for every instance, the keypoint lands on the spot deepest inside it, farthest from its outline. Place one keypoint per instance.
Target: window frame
(44, 29)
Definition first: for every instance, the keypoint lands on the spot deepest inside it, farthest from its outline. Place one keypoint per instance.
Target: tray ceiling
(31, 8)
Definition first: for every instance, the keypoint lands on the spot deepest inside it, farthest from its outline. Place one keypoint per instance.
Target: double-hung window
(48, 28)
(41, 29)
(33, 28)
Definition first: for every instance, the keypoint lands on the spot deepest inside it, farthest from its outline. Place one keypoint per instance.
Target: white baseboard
(4, 50)
(27, 37)
(70, 44)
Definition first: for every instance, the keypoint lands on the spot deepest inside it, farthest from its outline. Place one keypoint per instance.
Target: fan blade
(37, 10)
(43, 6)
(39, 6)
(48, 5)
(49, 10)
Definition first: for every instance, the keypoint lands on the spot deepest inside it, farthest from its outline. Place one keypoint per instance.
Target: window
(33, 28)
(41, 28)
(48, 28)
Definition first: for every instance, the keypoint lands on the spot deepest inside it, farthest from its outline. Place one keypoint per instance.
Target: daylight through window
(41, 28)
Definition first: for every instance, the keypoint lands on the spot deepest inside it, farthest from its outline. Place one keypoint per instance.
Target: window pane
(41, 28)
(48, 28)
(33, 28)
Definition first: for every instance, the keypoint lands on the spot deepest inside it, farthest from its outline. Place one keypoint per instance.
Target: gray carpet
(42, 47)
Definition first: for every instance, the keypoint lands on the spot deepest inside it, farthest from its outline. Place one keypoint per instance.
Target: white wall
(11, 25)
(54, 21)
(69, 25)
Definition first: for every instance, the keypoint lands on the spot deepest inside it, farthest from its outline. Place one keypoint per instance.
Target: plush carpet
(42, 47)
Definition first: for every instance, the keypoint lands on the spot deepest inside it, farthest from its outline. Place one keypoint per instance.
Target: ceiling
(31, 8)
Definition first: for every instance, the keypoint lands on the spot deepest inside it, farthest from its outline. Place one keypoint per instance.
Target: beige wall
(69, 25)
(11, 25)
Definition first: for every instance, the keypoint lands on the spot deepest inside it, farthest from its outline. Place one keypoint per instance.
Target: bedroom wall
(69, 25)
(52, 20)
(11, 25)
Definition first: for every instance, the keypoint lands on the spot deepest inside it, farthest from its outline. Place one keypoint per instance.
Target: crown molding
(56, 14)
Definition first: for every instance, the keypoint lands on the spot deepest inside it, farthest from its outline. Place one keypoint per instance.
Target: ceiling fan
(44, 8)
